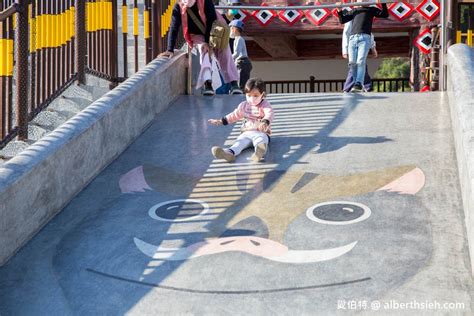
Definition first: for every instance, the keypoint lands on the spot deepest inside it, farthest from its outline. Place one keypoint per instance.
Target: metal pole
(302, 7)
(21, 56)
(33, 82)
(114, 42)
(443, 50)
(189, 84)
(147, 14)
(156, 29)
(135, 32)
(124, 37)
(450, 36)
(80, 41)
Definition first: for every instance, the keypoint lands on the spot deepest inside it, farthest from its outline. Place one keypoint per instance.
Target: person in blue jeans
(350, 80)
(360, 38)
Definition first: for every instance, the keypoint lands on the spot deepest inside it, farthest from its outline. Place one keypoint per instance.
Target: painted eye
(338, 213)
(178, 210)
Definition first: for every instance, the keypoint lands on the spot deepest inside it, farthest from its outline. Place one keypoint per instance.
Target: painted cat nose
(251, 241)
(250, 226)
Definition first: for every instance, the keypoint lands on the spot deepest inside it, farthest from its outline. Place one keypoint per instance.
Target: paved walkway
(358, 200)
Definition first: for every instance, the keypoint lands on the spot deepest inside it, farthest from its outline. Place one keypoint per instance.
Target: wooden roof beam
(330, 48)
(282, 46)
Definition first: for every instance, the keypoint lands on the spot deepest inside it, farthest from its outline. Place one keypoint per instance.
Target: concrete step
(65, 106)
(96, 91)
(72, 101)
(11, 149)
(49, 120)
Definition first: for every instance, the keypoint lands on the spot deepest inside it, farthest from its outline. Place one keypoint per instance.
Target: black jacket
(362, 18)
(211, 16)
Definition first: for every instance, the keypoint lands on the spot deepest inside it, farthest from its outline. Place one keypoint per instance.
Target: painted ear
(410, 183)
(149, 177)
(134, 181)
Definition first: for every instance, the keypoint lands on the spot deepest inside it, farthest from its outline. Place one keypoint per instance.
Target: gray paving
(167, 229)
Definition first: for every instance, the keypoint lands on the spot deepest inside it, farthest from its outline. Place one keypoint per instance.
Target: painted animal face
(258, 232)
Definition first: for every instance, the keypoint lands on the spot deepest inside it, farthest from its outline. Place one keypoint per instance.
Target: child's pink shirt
(252, 115)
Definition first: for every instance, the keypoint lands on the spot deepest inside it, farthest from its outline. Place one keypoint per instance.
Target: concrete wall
(461, 101)
(39, 182)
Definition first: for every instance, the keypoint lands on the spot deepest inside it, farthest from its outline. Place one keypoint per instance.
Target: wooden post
(415, 62)
(434, 60)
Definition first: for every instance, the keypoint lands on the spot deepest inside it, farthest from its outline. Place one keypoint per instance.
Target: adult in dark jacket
(205, 12)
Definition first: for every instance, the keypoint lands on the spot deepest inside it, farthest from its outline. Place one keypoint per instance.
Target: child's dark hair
(255, 83)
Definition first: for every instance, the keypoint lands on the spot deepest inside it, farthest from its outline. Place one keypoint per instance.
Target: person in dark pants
(240, 56)
(349, 83)
(359, 41)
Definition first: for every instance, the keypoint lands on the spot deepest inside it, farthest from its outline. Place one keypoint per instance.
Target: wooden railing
(57, 42)
(312, 85)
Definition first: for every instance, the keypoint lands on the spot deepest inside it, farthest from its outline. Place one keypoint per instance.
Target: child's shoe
(220, 153)
(259, 152)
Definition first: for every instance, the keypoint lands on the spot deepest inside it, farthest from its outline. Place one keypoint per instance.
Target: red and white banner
(424, 41)
(290, 16)
(241, 15)
(429, 9)
(318, 16)
(264, 17)
(401, 10)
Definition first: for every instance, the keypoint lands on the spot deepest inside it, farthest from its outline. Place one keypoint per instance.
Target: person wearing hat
(240, 56)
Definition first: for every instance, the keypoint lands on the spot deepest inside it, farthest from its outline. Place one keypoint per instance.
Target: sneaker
(259, 152)
(208, 90)
(357, 87)
(220, 153)
(234, 88)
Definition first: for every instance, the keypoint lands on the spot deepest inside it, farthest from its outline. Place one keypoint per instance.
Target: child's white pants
(247, 139)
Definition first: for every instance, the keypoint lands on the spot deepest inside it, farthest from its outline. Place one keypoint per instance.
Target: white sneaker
(220, 153)
(260, 151)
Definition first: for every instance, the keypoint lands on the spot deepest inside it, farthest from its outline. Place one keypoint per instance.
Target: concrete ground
(356, 208)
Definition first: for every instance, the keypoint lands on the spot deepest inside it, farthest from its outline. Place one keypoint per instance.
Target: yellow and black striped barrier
(51, 36)
(8, 128)
(99, 16)
(166, 19)
(52, 30)
(6, 57)
(124, 18)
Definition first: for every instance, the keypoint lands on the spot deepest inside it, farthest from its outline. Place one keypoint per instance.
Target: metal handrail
(8, 12)
(303, 7)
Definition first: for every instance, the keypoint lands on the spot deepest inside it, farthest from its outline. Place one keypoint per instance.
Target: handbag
(220, 31)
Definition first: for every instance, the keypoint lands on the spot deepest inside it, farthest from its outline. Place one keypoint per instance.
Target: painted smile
(228, 292)
(255, 246)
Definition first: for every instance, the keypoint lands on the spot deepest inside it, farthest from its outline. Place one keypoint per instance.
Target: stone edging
(461, 101)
